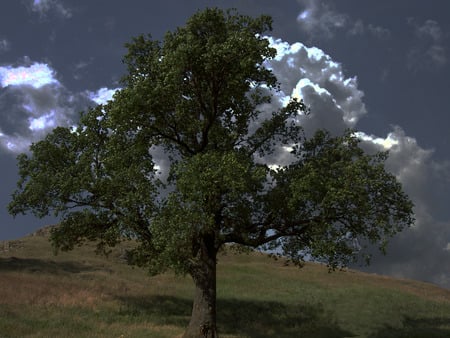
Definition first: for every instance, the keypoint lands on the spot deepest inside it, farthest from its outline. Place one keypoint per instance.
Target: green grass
(79, 294)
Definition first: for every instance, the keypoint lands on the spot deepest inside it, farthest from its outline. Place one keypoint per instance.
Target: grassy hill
(79, 294)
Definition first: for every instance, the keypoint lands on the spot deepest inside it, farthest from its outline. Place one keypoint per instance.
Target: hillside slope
(79, 294)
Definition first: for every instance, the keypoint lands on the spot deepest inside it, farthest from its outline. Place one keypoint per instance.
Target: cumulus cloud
(312, 75)
(35, 75)
(429, 50)
(423, 250)
(33, 102)
(44, 7)
(102, 95)
(309, 74)
(336, 104)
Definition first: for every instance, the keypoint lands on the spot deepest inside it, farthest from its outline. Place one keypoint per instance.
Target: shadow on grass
(417, 328)
(262, 319)
(42, 266)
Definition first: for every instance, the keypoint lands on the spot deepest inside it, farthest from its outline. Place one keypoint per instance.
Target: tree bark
(203, 318)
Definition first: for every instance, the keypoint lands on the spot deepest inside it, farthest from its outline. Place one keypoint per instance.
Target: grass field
(79, 294)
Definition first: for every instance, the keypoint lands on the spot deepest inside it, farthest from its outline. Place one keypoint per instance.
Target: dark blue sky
(381, 67)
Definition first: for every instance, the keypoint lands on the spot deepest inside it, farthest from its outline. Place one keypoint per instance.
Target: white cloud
(422, 251)
(309, 73)
(32, 103)
(379, 142)
(336, 103)
(42, 122)
(43, 7)
(102, 96)
(36, 75)
(407, 160)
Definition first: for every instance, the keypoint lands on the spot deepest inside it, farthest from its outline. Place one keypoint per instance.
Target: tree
(196, 96)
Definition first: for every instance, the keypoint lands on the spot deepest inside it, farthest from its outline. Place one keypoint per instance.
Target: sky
(380, 67)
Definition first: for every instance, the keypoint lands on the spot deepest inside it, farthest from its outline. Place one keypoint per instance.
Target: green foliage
(196, 95)
(345, 196)
(92, 178)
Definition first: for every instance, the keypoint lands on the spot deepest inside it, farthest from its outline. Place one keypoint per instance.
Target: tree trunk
(203, 318)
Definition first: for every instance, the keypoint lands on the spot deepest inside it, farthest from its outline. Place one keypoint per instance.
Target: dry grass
(78, 294)
(23, 289)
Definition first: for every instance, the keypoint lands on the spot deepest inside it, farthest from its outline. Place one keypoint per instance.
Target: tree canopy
(197, 97)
